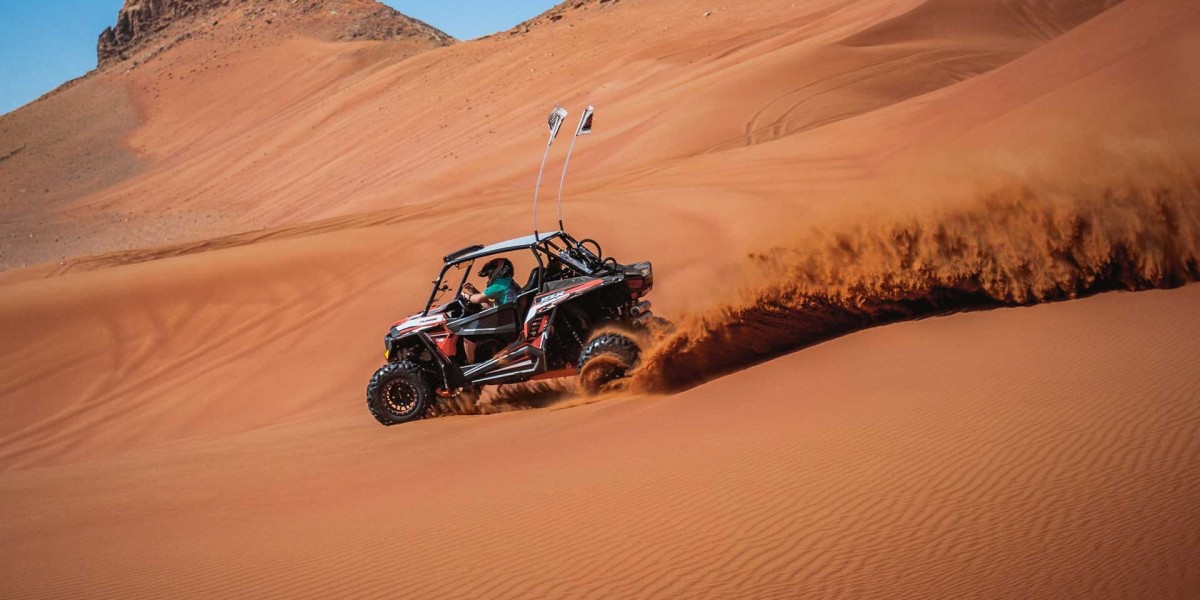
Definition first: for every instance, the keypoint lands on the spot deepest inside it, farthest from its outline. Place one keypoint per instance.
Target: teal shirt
(503, 290)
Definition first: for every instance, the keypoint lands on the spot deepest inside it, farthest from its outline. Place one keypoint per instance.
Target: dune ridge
(1014, 246)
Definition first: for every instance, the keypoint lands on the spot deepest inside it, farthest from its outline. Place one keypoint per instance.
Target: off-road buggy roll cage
(546, 248)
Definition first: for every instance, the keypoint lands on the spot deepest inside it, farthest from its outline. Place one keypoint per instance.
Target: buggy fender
(451, 375)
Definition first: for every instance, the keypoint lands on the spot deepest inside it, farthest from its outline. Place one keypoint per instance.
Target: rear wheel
(607, 358)
(398, 393)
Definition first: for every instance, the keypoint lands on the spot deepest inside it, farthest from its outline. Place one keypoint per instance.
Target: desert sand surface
(1017, 453)
(928, 261)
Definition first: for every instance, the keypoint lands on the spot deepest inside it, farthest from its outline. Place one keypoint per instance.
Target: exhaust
(640, 308)
(641, 313)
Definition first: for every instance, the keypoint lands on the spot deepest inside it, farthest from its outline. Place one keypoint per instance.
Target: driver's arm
(474, 296)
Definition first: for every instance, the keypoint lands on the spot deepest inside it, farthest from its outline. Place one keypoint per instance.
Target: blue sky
(48, 42)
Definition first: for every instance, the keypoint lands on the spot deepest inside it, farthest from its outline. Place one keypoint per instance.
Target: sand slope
(181, 414)
(1019, 453)
(267, 136)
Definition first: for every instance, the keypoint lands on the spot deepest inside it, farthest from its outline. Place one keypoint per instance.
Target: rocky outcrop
(141, 22)
(558, 13)
(138, 20)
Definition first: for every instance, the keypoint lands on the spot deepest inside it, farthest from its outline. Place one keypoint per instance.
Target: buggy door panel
(498, 321)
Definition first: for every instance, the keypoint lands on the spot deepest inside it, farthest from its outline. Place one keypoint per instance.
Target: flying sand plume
(1014, 247)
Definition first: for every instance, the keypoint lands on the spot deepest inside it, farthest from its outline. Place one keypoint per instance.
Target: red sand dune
(195, 306)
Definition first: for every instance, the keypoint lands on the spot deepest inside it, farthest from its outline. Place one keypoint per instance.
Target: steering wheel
(470, 308)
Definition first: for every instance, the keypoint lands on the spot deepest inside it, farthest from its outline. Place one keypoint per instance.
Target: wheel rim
(400, 397)
(611, 373)
(602, 370)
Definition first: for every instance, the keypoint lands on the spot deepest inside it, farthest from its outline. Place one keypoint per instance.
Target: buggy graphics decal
(418, 321)
(544, 303)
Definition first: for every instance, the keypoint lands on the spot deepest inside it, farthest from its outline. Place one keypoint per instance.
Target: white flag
(556, 120)
(585, 122)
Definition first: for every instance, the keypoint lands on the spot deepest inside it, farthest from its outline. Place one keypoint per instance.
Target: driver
(501, 289)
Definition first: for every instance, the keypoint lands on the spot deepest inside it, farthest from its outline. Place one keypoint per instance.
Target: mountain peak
(140, 23)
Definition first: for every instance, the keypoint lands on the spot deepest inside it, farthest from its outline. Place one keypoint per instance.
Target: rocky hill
(83, 136)
(156, 24)
(558, 13)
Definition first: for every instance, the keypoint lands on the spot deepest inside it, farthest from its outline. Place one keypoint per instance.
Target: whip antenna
(584, 128)
(555, 122)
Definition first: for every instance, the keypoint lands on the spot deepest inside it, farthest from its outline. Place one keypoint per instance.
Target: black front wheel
(607, 358)
(398, 393)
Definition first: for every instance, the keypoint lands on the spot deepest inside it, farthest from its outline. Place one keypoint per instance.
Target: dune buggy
(577, 310)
